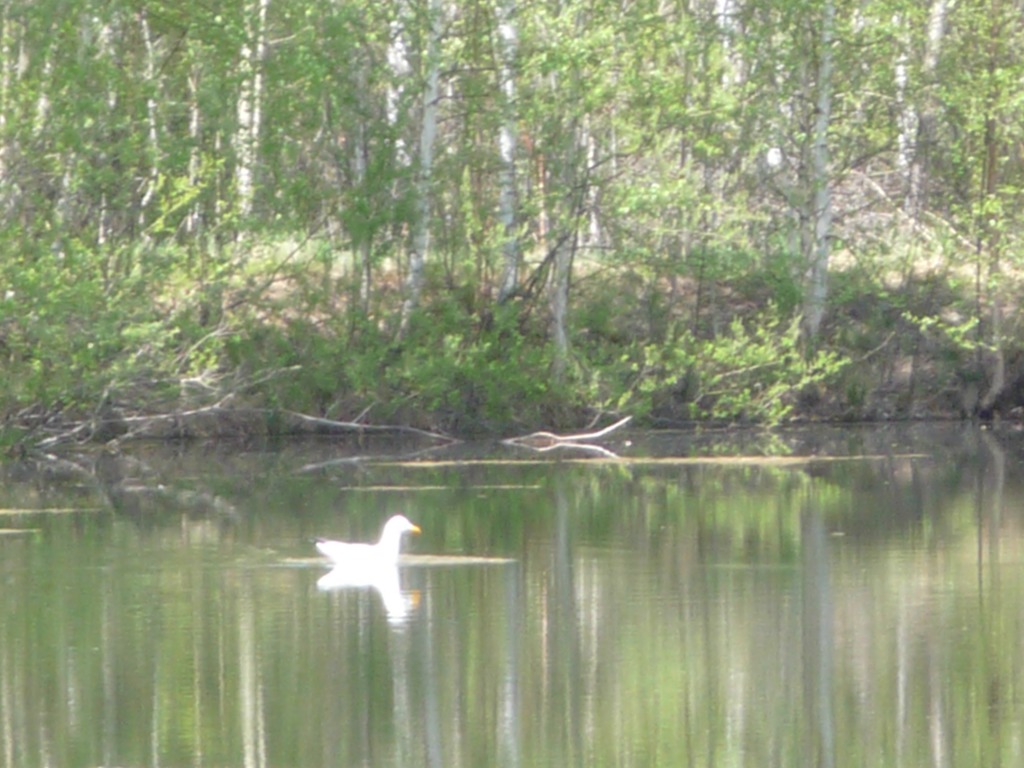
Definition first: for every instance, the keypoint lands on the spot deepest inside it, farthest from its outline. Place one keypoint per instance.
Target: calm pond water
(859, 603)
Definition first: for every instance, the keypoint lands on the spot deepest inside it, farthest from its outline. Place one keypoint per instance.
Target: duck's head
(398, 525)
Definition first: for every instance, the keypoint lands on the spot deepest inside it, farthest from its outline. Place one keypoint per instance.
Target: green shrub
(475, 381)
(754, 372)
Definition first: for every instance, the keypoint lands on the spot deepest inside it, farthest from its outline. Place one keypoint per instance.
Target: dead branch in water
(221, 419)
(541, 442)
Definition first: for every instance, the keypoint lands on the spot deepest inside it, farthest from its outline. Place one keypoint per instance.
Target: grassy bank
(228, 345)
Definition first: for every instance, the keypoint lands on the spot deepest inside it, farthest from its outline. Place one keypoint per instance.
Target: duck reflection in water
(398, 604)
(359, 566)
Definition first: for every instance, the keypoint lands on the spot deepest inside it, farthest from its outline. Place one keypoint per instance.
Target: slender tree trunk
(7, 73)
(989, 244)
(107, 43)
(989, 235)
(245, 152)
(560, 309)
(917, 124)
(567, 202)
(726, 12)
(917, 119)
(906, 118)
(927, 118)
(364, 244)
(593, 237)
(43, 100)
(507, 146)
(420, 241)
(820, 180)
(566, 247)
(249, 109)
(399, 66)
(398, 62)
(193, 224)
(152, 177)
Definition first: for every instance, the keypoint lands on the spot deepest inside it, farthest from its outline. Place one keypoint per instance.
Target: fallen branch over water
(541, 442)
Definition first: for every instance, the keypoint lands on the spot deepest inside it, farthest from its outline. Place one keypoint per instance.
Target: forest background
(488, 215)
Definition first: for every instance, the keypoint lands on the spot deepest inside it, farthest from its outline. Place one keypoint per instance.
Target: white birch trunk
(567, 230)
(364, 245)
(560, 310)
(592, 238)
(244, 150)
(43, 102)
(507, 146)
(726, 12)
(398, 62)
(821, 195)
(7, 59)
(13, 67)
(249, 107)
(990, 237)
(193, 224)
(420, 241)
(151, 122)
(566, 175)
(936, 31)
(924, 122)
(906, 114)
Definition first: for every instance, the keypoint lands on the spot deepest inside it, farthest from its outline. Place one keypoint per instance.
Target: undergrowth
(283, 333)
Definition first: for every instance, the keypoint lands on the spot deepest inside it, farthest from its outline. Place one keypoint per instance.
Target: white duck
(370, 556)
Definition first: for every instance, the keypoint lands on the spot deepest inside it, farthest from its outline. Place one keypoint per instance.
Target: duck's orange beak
(415, 529)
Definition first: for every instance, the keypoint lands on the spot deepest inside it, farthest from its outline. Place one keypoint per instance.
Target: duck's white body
(370, 556)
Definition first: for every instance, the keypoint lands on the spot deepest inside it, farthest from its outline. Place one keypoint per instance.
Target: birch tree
(400, 65)
(193, 221)
(249, 108)
(917, 105)
(563, 143)
(9, 72)
(363, 240)
(420, 239)
(152, 128)
(996, 121)
(507, 148)
(819, 179)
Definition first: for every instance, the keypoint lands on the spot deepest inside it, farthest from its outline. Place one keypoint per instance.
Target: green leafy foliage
(754, 372)
(477, 382)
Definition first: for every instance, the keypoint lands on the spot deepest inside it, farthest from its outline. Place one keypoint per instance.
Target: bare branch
(542, 442)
